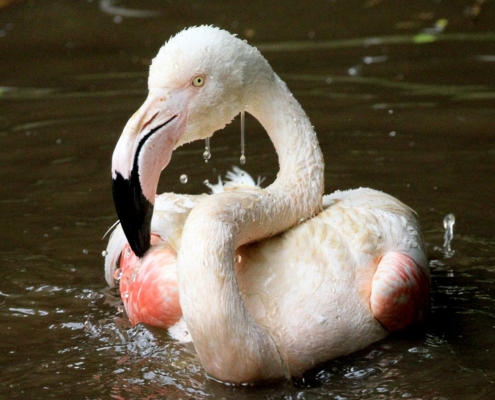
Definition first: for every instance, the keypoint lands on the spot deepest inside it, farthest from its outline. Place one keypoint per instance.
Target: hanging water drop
(125, 295)
(183, 178)
(104, 253)
(238, 259)
(242, 159)
(448, 224)
(207, 152)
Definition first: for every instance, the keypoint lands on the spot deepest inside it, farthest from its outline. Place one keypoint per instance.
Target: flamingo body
(400, 292)
(149, 289)
(369, 281)
(269, 282)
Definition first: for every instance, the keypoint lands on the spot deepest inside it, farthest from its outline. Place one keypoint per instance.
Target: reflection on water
(396, 110)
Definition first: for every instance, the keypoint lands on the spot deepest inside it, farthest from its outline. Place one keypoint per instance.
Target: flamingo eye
(198, 81)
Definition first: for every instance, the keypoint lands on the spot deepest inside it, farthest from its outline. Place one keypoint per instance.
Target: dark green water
(399, 105)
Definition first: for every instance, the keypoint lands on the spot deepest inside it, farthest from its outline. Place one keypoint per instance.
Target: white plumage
(271, 281)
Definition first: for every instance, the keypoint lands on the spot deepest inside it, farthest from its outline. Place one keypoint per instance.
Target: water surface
(403, 100)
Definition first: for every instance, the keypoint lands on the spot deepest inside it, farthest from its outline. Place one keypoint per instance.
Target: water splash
(207, 152)
(242, 160)
(448, 224)
(183, 178)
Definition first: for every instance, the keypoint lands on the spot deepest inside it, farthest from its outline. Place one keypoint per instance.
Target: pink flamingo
(269, 282)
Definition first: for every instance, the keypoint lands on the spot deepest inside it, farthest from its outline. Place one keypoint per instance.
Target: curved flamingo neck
(230, 344)
(301, 175)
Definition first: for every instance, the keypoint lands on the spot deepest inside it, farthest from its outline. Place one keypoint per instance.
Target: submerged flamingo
(269, 282)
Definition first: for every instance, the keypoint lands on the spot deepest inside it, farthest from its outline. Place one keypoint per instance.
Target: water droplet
(238, 259)
(391, 134)
(449, 221)
(117, 274)
(207, 152)
(125, 295)
(353, 71)
(448, 224)
(104, 253)
(242, 159)
(206, 182)
(85, 251)
(183, 178)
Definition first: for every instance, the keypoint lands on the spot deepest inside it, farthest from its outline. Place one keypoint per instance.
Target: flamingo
(268, 282)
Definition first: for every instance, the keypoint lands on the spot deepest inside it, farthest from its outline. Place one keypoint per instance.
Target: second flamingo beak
(143, 150)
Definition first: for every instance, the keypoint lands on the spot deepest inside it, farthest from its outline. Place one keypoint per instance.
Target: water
(207, 152)
(448, 224)
(66, 96)
(242, 158)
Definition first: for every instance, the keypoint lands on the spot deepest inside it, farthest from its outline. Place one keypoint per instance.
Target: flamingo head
(198, 83)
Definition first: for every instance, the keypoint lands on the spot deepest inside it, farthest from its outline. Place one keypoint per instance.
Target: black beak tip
(134, 211)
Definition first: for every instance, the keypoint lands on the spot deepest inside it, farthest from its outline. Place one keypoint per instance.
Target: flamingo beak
(143, 150)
